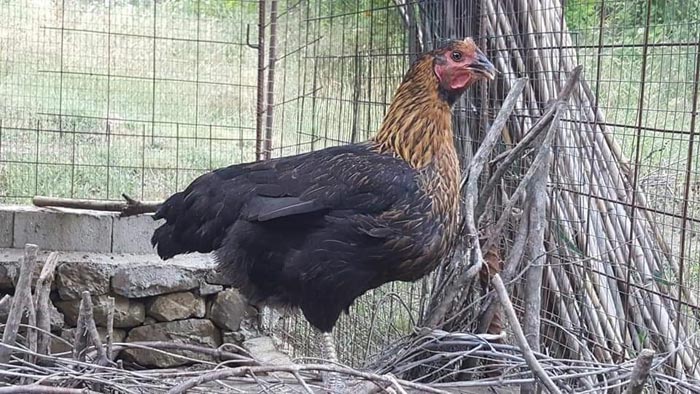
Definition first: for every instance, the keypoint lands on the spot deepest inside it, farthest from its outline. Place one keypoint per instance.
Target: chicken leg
(332, 380)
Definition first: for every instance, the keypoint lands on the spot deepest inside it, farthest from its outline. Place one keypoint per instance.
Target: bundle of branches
(582, 257)
(29, 365)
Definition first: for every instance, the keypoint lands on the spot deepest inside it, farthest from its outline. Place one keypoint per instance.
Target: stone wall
(181, 300)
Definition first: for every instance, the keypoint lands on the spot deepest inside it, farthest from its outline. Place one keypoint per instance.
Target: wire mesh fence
(102, 98)
(139, 97)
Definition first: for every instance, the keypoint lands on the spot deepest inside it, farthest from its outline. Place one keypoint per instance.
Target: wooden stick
(524, 184)
(86, 333)
(20, 301)
(129, 207)
(135, 207)
(640, 372)
(39, 389)
(110, 326)
(528, 354)
(80, 340)
(509, 268)
(537, 196)
(31, 332)
(529, 138)
(43, 311)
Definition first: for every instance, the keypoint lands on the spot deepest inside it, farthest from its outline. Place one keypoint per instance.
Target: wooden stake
(20, 301)
(86, 333)
(640, 372)
(520, 339)
(31, 331)
(43, 306)
(110, 326)
(470, 184)
(537, 203)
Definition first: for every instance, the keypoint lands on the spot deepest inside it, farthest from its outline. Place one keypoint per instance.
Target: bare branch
(129, 207)
(529, 138)
(43, 305)
(38, 389)
(22, 298)
(535, 250)
(86, 332)
(520, 339)
(471, 192)
(219, 354)
(640, 373)
(110, 326)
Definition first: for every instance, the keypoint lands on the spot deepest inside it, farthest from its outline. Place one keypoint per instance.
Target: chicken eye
(456, 56)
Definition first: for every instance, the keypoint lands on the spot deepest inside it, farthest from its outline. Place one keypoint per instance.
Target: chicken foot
(333, 382)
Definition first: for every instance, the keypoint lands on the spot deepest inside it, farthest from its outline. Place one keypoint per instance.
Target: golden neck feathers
(418, 125)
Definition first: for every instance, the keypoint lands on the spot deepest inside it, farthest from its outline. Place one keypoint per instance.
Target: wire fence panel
(105, 98)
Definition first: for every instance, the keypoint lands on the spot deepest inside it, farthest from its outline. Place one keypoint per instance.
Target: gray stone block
(133, 234)
(192, 331)
(63, 230)
(229, 309)
(127, 313)
(158, 277)
(7, 219)
(264, 350)
(91, 275)
(176, 306)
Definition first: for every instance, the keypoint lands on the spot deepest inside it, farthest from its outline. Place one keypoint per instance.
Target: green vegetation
(615, 73)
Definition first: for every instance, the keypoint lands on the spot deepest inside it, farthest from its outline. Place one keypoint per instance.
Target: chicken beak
(482, 66)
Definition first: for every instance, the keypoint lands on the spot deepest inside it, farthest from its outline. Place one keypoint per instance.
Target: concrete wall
(74, 230)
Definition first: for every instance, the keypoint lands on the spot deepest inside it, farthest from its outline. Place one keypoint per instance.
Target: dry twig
(21, 301)
(86, 333)
(129, 207)
(296, 368)
(471, 194)
(43, 304)
(640, 373)
(535, 250)
(529, 356)
(38, 389)
(110, 326)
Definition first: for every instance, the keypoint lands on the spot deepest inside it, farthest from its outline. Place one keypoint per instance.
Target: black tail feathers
(166, 246)
(165, 239)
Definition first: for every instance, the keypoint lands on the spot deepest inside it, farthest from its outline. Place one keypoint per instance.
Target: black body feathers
(313, 231)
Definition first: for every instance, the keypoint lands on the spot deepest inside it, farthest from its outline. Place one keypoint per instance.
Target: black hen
(318, 230)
